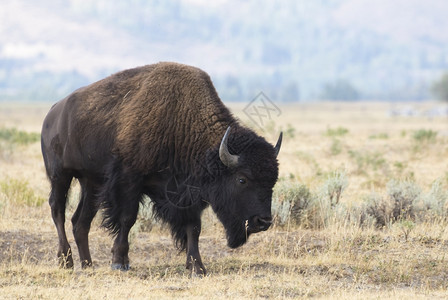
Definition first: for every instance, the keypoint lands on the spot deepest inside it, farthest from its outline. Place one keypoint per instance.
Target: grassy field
(360, 213)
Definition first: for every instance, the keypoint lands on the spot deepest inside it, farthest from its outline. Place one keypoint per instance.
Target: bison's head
(243, 175)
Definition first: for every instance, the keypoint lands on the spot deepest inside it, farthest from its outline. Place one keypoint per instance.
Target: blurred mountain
(291, 50)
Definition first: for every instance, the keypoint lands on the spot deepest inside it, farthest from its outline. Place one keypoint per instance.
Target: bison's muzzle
(257, 224)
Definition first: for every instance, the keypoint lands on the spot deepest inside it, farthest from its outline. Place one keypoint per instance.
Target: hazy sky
(64, 36)
(97, 37)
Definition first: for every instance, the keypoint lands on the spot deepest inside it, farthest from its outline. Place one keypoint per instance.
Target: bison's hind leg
(58, 199)
(82, 219)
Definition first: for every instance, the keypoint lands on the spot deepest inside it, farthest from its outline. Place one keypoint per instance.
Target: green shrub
(424, 136)
(435, 202)
(290, 201)
(333, 187)
(380, 136)
(290, 131)
(404, 195)
(403, 133)
(15, 136)
(366, 160)
(18, 192)
(336, 147)
(145, 221)
(378, 208)
(340, 131)
(326, 204)
(400, 203)
(309, 159)
(400, 166)
(11, 137)
(406, 227)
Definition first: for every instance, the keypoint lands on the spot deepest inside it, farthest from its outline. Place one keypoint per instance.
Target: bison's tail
(119, 197)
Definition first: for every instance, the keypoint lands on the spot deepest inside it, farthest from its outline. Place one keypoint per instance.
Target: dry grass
(340, 259)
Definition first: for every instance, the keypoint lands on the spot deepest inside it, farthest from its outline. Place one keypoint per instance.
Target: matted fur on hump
(170, 115)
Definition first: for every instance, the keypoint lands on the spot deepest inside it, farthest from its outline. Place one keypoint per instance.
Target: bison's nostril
(266, 221)
(263, 223)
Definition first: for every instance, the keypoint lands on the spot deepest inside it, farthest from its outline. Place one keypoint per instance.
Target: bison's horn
(227, 159)
(279, 144)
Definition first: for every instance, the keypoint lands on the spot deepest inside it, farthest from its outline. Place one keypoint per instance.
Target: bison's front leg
(120, 250)
(194, 261)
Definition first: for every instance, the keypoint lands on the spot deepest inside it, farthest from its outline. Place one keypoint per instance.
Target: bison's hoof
(197, 274)
(120, 267)
(196, 270)
(66, 265)
(86, 264)
(66, 262)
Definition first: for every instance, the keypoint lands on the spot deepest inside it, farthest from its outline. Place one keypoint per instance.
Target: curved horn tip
(229, 160)
(278, 144)
(227, 131)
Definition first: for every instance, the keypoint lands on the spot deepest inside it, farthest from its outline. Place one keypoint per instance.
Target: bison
(159, 130)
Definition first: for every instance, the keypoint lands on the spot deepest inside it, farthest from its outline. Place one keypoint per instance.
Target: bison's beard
(236, 233)
(234, 224)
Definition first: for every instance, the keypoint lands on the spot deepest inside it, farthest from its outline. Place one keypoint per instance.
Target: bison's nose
(262, 223)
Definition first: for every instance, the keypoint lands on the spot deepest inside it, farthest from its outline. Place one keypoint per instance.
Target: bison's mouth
(238, 234)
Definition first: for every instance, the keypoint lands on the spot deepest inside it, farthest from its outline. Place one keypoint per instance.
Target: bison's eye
(242, 180)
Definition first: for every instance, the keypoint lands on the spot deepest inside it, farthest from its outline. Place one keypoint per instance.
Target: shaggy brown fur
(178, 103)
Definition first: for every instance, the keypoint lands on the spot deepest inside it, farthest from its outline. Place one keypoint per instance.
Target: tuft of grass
(406, 226)
(310, 160)
(290, 131)
(403, 133)
(366, 160)
(424, 136)
(379, 136)
(400, 166)
(336, 147)
(339, 131)
(11, 137)
(15, 136)
(17, 191)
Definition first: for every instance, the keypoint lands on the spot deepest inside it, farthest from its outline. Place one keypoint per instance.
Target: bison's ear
(229, 160)
(279, 144)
